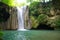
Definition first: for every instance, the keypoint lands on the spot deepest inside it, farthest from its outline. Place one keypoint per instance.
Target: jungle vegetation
(46, 13)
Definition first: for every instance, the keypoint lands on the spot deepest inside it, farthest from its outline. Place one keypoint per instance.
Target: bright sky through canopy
(24, 2)
(19, 2)
(14, 2)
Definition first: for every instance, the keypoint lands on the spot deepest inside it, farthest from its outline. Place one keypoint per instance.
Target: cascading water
(20, 14)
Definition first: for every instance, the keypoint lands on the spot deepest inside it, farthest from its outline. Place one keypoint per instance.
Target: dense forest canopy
(56, 4)
(41, 12)
(38, 11)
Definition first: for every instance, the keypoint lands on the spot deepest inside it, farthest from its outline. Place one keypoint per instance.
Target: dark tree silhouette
(4, 14)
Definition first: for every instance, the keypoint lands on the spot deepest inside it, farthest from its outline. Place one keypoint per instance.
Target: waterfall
(20, 15)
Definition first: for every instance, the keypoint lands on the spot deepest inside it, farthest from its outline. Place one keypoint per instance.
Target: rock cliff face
(8, 17)
(12, 22)
(27, 22)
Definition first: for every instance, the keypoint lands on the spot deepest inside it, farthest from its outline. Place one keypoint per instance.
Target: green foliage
(38, 12)
(40, 19)
(8, 2)
(57, 22)
(1, 34)
(34, 22)
(39, 7)
(56, 4)
(54, 22)
(33, 14)
(13, 3)
(33, 8)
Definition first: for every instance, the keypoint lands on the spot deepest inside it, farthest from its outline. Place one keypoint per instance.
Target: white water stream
(20, 14)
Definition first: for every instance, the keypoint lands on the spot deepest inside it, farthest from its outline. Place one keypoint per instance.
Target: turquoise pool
(31, 35)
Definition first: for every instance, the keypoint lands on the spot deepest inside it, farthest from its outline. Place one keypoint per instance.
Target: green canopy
(14, 2)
